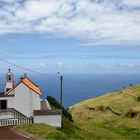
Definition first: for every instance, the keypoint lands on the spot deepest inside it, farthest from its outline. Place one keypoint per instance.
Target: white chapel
(23, 100)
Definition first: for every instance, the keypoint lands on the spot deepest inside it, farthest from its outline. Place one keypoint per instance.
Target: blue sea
(79, 87)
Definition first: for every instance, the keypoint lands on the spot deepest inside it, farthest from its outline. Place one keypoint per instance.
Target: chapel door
(3, 104)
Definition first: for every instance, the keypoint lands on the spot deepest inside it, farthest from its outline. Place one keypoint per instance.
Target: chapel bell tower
(9, 80)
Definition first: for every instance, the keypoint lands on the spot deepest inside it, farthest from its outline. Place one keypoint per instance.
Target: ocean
(79, 87)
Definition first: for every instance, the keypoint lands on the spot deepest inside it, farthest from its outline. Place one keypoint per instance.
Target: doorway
(3, 104)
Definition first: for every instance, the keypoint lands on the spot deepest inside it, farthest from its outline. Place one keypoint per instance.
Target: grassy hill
(114, 115)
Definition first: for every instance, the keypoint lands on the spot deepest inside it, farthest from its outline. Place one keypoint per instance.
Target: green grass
(98, 124)
(110, 125)
(41, 130)
(68, 131)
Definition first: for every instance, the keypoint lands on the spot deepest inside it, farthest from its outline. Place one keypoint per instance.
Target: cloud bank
(93, 22)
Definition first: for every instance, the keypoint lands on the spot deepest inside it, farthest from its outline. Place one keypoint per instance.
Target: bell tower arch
(9, 82)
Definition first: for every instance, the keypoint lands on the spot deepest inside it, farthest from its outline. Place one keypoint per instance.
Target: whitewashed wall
(25, 100)
(35, 102)
(22, 100)
(53, 120)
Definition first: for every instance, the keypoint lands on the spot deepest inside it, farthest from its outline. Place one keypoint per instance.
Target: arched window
(9, 78)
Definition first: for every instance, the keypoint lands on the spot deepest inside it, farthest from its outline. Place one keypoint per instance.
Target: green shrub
(131, 114)
(55, 104)
(138, 98)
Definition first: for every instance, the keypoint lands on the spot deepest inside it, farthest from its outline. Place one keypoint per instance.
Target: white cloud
(92, 22)
(132, 2)
(34, 10)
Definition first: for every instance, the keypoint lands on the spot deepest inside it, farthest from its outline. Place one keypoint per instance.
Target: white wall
(26, 100)
(35, 102)
(53, 120)
(47, 104)
(21, 99)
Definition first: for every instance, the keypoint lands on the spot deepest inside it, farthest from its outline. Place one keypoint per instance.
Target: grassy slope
(69, 131)
(95, 124)
(105, 124)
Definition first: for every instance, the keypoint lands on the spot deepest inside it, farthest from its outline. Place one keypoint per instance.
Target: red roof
(29, 84)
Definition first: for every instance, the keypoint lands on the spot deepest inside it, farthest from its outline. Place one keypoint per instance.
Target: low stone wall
(49, 117)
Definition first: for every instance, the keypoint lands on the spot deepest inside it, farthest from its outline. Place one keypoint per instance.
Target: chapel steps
(11, 112)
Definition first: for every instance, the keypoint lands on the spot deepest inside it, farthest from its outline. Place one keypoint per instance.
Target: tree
(55, 104)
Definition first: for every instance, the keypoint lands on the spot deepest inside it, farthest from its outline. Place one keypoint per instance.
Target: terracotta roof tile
(31, 85)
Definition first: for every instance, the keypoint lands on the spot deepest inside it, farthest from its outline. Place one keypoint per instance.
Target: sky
(70, 36)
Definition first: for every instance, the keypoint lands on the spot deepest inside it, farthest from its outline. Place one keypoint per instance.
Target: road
(6, 133)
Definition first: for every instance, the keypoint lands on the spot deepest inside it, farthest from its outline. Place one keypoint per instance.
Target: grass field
(94, 115)
(115, 115)
(69, 131)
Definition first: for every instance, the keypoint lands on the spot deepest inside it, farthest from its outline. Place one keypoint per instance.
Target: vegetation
(117, 113)
(138, 99)
(68, 131)
(113, 116)
(55, 104)
(131, 113)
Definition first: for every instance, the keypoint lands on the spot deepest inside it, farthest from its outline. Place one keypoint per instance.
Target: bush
(55, 104)
(131, 114)
(102, 108)
(138, 98)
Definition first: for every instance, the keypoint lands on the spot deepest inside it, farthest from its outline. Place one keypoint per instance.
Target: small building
(23, 101)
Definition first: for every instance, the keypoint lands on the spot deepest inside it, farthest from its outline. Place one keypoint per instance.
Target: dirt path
(6, 133)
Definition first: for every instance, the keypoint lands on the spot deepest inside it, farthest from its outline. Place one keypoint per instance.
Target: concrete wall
(53, 120)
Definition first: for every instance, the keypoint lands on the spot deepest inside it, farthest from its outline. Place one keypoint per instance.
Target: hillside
(112, 115)
(68, 130)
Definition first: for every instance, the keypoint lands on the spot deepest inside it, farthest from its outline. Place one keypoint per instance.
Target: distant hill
(113, 115)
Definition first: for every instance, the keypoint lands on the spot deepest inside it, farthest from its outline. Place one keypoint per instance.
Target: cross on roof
(25, 74)
(21, 78)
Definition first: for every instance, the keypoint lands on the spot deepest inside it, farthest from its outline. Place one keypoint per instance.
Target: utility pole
(61, 90)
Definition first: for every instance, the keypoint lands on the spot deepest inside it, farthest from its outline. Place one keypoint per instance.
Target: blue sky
(71, 36)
